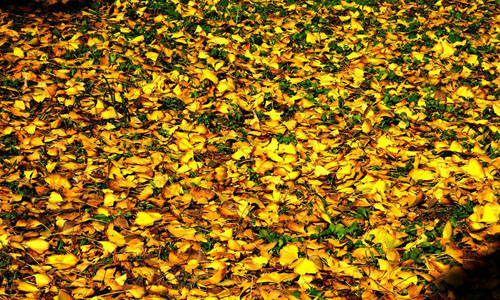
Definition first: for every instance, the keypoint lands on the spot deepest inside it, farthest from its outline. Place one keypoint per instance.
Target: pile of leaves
(318, 149)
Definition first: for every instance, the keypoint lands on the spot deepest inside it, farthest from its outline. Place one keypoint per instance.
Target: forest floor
(319, 149)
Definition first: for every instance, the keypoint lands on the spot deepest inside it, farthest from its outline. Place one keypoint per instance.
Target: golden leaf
(27, 287)
(178, 231)
(146, 218)
(276, 277)
(55, 198)
(474, 169)
(419, 174)
(62, 295)
(62, 261)
(207, 74)
(219, 40)
(305, 266)
(319, 171)
(57, 182)
(136, 291)
(464, 91)
(288, 254)
(447, 231)
(152, 55)
(384, 141)
(225, 85)
(38, 245)
(215, 279)
(444, 49)
(82, 293)
(491, 213)
(109, 199)
(18, 52)
(42, 279)
(109, 113)
(384, 235)
(115, 237)
(108, 246)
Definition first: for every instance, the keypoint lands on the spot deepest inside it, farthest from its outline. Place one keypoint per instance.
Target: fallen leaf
(305, 266)
(147, 218)
(38, 245)
(62, 261)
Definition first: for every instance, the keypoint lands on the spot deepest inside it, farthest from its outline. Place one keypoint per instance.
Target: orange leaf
(57, 182)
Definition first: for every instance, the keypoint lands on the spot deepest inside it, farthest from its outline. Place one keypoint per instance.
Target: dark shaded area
(477, 279)
(482, 279)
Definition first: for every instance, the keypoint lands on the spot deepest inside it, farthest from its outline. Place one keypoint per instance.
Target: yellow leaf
(260, 260)
(121, 280)
(306, 266)
(358, 75)
(491, 213)
(405, 279)
(326, 218)
(219, 40)
(447, 230)
(82, 293)
(354, 55)
(385, 236)
(109, 113)
(472, 60)
(419, 174)
(274, 156)
(63, 296)
(108, 246)
(27, 287)
(444, 49)
(496, 107)
(19, 104)
(474, 169)
(136, 291)
(364, 252)
(38, 245)
(464, 91)
(216, 278)
(18, 52)
(207, 74)
(115, 237)
(180, 232)
(57, 182)
(384, 141)
(30, 128)
(147, 218)
(224, 85)
(311, 38)
(137, 40)
(62, 261)
(319, 170)
(42, 279)
(288, 254)
(152, 55)
(109, 199)
(276, 277)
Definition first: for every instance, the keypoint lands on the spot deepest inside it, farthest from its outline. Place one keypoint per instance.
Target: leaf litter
(235, 149)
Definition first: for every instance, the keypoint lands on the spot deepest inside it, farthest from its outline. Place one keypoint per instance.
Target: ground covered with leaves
(317, 149)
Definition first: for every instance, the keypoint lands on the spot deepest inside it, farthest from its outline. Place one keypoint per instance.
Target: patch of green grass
(172, 103)
(103, 218)
(337, 231)
(286, 138)
(402, 171)
(281, 239)
(208, 245)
